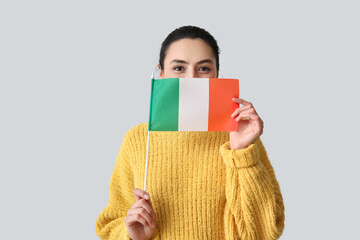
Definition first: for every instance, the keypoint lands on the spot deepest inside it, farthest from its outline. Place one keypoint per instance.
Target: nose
(192, 73)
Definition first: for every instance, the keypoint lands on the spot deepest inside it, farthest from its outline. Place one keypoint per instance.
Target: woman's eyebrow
(182, 61)
(178, 61)
(205, 61)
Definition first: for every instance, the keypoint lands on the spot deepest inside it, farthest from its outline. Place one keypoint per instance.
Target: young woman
(201, 185)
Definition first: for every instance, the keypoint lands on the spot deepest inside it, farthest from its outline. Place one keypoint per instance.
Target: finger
(150, 203)
(249, 109)
(139, 194)
(245, 118)
(142, 203)
(143, 213)
(153, 214)
(259, 126)
(239, 110)
(132, 219)
(241, 101)
(248, 114)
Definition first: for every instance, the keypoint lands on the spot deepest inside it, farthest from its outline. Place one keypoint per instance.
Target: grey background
(75, 76)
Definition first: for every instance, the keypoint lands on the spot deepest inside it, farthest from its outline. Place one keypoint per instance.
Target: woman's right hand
(141, 218)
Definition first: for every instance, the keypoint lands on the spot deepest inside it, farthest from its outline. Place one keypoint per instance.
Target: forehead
(191, 50)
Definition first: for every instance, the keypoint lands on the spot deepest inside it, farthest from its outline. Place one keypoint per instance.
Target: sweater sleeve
(110, 224)
(254, 205)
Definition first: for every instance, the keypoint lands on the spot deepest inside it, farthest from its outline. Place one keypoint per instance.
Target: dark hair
(191, 32)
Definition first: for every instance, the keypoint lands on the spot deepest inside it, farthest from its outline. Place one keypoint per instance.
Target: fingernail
(146, 196)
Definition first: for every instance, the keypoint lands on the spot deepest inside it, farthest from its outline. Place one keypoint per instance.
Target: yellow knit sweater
(199, 187)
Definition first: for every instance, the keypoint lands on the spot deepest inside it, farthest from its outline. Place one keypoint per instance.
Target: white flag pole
(147, 148)
(147, 158)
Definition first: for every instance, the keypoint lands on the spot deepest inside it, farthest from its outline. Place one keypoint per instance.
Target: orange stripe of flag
(221, 106)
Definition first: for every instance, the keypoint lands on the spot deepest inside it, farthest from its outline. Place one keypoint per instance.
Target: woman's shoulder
(140, 128)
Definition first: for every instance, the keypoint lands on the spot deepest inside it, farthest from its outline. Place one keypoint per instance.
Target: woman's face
(189, 58)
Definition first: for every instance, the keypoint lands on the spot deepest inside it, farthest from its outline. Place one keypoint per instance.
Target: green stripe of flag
(164, 114)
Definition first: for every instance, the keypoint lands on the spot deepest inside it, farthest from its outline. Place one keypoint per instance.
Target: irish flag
(193, 104)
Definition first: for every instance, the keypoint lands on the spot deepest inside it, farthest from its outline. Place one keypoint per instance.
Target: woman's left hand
(249, 129)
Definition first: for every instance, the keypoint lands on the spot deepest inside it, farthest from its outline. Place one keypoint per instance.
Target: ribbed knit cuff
(245, 157)
(156, 235)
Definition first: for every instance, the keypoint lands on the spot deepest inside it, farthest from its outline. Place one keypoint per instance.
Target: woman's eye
(204, 69)
(178, 68)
